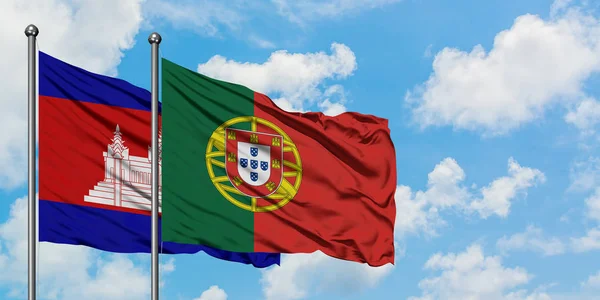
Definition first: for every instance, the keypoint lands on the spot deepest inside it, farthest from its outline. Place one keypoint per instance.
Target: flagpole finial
(154, 38)
(31, 30)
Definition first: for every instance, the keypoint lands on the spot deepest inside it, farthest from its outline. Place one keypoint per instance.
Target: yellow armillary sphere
(251, 164)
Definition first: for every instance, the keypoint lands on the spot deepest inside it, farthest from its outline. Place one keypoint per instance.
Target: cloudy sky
(493, 108)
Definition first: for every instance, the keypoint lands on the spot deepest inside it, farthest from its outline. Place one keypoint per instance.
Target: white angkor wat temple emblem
(127, 178)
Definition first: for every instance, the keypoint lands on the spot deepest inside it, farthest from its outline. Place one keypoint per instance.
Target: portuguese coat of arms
(254, 161)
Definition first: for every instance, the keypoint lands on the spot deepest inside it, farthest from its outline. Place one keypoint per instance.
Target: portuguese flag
(241, 174)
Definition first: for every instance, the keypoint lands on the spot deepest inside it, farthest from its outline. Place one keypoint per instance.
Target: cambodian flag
(94, 165)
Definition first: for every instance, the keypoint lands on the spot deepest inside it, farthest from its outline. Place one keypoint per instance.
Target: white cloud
(415, 214)
(472, 275)
(428, 52)
(167, 267)
(75, 31)
(66, 271)
(592, 204)
(585, 175)
(588, 291)
(204, 16)
(497, 196)
(286, 105)
(532, 66)
(536, 295)
(593, 282)
(589, 242)
(213, 293)
(559, 6)
(419, 211)
(117, 278)
(297, 78)
(331, 109)
(260, 42)
(532, 239)
(214, 18)
(301, 274)
(585, 116)
(164, 269)
(301, 11)
(334, 101)
(566, 217)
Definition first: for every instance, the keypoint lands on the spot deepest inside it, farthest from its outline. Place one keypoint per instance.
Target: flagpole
(154, 39)
(31, 32)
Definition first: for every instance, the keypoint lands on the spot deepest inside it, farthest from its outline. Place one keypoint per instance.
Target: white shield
(254, 163)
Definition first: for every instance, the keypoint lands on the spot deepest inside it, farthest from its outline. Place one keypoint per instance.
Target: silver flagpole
(154, 39)
(31, 32)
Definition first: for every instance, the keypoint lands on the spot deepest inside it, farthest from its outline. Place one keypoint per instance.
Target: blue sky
(493, 113)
